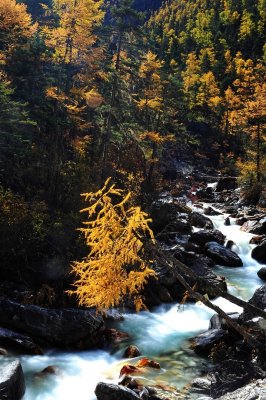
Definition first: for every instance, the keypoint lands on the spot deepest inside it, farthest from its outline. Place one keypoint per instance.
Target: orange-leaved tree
(115, 267)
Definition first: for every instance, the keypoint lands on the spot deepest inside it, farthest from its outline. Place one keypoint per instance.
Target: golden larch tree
(115, 267)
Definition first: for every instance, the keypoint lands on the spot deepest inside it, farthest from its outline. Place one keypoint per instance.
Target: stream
(161, 335)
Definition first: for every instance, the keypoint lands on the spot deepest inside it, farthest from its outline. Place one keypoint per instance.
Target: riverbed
(162, 335)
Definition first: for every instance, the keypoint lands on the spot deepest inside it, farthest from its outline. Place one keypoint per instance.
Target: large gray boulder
(200, 221)
(204, 342)
(223, 256)
(259, 253)
(204, 236)
(257, 227)
(52, 326)
(18, 342)
(12, 383)
(110, 391)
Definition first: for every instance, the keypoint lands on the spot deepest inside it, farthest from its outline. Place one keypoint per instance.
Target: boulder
(217, 322)
(163, 214)
(203, 236)
(257, 227)
(227, 221)
(110, 391)
(18, 342)
(226, 183)
(200, 221)
(241, 220)
(131, 352)
(259, 300)
(202, 267)
(210, 211)
(262, 273)
(251, 391)
(259, 253)
(12, 383)
(257, 239)
(62, 327)
(204, 342)
(223, 256)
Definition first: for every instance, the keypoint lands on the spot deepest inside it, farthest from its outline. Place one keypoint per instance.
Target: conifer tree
(115, 268)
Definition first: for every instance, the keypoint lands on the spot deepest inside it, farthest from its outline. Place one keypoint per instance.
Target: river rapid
(161, 335)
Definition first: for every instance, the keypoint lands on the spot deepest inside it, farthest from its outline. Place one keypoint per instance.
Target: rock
(162, 214)
(3, 352)
(257, 239)
(226, 183)
(12, 383)
(16, 341)
(201, 266)
(241, 220)
(257, 227)
(50, 370)
(217, 322)
(204, 342)
(203, 236)
(258, 299)
(210, 211)
(53, 326)
(227, 221)
(259, 253)
(254, 390)
(201, 385)
(223, 256)
(110, 391)
(131, 352)
(200, 221)
(262, 273)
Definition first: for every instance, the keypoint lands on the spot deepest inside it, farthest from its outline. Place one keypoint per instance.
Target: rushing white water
(161, 335)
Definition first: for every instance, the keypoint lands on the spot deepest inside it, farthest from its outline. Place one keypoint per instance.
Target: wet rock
(3, 352)
(210, 211)
(112, 337)
(223, 256)
(201, 266)
(131, 352)
(53, 326)
(262, 273)
(18, 342)
(259, 300)
(164, 214)
(227, 221)
(217, 322)
(110, 391)
(12, 383)
(203, 236)
(257, 239)
(226, 183)
(240, 221)
(201, 385)
(200, 221)
(50, 370)
(204, 342)
(259, 253)
(257, 227)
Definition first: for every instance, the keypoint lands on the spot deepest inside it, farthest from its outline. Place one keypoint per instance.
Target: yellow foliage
(156, 137)
(93, 98)
(115, 267)
(74, 35)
